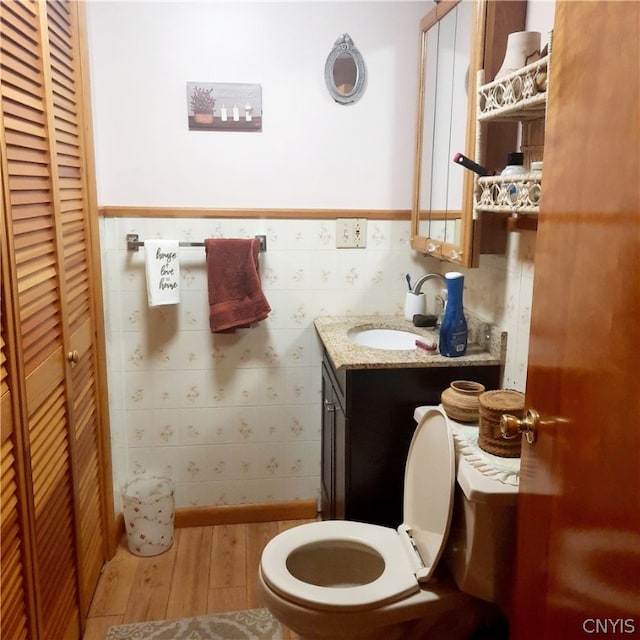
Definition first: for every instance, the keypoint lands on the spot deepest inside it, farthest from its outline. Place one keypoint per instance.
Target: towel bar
(134, 243)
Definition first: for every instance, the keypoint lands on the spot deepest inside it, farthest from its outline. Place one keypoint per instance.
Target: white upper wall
(311, 153)
(540, 17)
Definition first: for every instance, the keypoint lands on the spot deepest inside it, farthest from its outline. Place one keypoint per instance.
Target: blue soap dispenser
(453, 330)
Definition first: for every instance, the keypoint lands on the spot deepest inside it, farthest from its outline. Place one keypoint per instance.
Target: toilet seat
(396, 580)
(409, 555)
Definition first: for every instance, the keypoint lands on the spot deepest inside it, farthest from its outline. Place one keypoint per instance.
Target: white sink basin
(393, 339)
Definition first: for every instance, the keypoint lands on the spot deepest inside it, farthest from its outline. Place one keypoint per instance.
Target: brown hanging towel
(236, 299)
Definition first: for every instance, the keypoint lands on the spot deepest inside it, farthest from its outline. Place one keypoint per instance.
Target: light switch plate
(351, 233)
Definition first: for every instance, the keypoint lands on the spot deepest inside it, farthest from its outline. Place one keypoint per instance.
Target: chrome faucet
(417, 287)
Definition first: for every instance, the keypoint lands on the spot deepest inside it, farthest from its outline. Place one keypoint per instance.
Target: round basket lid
(502, 400)
(428, 487)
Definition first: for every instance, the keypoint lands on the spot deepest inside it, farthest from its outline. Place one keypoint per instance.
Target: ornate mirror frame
(344, 46)
(453, 235)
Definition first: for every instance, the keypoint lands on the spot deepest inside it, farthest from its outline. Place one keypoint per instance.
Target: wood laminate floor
(207, 570)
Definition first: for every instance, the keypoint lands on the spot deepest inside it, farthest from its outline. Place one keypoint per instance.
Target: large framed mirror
(457, 38)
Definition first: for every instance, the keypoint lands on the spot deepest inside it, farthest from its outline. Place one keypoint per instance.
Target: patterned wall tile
(235, 418)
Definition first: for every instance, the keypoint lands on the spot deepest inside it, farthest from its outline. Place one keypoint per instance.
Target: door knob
(73, 356)
(511, 427)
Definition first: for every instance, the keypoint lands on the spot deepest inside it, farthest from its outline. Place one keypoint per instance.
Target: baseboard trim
(244, 513)
(235, 514)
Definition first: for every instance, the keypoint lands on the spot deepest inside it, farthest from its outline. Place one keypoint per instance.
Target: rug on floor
(250, 624)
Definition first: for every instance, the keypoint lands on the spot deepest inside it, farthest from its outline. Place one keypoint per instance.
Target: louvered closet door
(14, 599)
(66, 108)
(14, 605)
(38, 215)
(31, 228)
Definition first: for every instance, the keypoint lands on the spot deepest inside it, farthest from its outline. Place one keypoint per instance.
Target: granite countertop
(346, 354)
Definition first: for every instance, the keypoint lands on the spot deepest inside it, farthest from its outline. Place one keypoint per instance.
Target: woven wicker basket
(493, 404)
(460, 400)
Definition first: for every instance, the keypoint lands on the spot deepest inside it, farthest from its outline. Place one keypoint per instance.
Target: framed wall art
(224, 106)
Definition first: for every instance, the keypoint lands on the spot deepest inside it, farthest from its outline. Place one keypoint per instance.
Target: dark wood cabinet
(334, 453)
(367, 426)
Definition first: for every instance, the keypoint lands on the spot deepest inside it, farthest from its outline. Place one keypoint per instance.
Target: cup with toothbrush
(414, 303)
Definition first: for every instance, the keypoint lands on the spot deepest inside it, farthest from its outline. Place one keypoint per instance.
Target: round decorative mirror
(345, 72)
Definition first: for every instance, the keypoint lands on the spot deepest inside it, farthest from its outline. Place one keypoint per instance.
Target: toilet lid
(392, 579)
(428, 489)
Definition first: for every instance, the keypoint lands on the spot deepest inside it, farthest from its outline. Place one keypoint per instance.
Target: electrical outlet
(351, 233)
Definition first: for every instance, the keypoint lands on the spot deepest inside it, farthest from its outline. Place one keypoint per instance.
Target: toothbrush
(408, 278)
(470, 164)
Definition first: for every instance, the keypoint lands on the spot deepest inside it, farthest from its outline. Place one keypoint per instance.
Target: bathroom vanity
(369, 397)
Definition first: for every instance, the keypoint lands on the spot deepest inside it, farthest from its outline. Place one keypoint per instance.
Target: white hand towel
(163, 272)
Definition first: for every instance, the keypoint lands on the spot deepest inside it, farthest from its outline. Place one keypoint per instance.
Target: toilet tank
(480, 551)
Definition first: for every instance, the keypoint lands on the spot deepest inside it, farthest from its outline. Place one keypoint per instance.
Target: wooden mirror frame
(493, 20)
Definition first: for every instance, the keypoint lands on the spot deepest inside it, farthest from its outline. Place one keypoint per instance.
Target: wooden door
(16, 613)
(35, 303)
(69, 168)
(50, 301)
(578, 554)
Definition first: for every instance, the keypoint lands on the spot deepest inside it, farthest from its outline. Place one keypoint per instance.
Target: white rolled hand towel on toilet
(163, 272)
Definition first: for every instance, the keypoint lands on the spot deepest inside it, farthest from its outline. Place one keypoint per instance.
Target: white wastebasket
(148, 505)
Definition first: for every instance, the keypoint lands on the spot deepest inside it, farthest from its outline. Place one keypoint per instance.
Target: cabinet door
(341, 462)
(334, 451)
(327, 458)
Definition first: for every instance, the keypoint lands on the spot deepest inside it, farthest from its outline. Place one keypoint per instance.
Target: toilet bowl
(341, 579)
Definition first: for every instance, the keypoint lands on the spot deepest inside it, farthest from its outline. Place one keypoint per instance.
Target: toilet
(339, 579)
